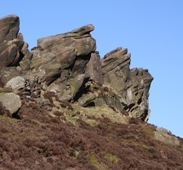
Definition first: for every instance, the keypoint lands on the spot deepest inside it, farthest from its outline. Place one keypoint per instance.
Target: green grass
(99, 165)
(149, 131)
(112, 158)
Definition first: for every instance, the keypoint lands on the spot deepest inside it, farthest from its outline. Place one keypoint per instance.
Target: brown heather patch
(50, 96)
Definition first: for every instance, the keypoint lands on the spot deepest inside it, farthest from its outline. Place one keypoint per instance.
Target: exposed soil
(38, 141)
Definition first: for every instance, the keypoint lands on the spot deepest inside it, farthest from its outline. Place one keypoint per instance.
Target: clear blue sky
(151, 30)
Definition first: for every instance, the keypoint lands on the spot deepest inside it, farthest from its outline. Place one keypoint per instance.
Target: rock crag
(68, 65)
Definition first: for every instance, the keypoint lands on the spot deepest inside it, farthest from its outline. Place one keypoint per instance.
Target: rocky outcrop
(69, 66)
(163, 135)
(131, 84)
(61, 62)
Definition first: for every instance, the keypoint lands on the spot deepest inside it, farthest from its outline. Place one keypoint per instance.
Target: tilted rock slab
(12, 46)
(133, 85)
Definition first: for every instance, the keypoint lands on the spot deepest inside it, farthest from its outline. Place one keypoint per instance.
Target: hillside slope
(83, 140)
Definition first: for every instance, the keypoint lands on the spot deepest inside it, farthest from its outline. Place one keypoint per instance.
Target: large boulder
(11, 102)
(79, 38)
(15, 83)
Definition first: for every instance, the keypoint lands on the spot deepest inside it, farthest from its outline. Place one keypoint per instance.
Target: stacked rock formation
(69, 66)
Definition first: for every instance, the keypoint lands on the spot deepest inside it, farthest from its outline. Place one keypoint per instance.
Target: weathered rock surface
(15, 83)
(138, 93)
(10, 53)
(9, 28)
(94, 68)
(68, 65)
(6, 74)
